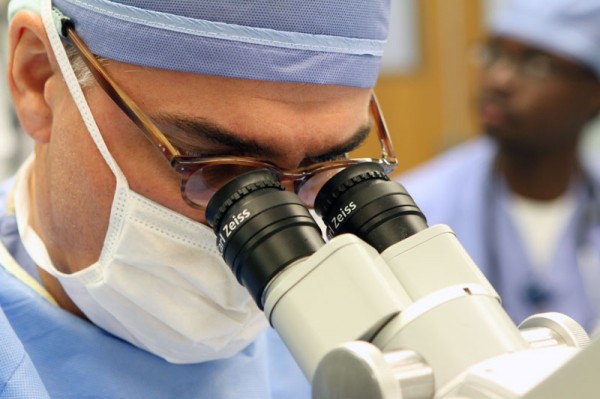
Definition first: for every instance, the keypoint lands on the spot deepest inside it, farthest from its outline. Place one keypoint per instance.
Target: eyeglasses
(532, 65)
(201, 177)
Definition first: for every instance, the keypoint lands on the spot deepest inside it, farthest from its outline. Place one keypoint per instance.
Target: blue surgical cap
(569, 28)
(310, 41)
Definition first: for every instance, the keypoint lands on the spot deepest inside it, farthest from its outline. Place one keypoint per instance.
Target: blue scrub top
(48, 352)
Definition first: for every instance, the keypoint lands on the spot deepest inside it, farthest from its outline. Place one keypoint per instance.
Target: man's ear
(30, 68)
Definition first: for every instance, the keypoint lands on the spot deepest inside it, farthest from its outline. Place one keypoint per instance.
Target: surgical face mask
(159, 282)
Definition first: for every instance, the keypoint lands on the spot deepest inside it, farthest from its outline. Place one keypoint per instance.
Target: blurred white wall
(402, 53)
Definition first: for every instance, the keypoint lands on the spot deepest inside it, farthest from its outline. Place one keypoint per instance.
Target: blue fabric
(566, 27)
(18, 377)
(457, 189)
(75, 359)
(320, 42)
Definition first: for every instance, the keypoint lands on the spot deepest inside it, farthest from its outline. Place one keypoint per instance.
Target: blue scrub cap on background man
(570, 28)
(323, 42)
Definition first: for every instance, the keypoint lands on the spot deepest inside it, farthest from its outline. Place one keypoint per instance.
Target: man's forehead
(144, 78)
(258, 118)
(240, 101)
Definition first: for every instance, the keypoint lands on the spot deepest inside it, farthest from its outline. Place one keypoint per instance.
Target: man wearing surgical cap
(521, 199)
(111, 284)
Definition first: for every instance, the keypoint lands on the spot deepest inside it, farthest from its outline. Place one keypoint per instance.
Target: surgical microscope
(388, 307)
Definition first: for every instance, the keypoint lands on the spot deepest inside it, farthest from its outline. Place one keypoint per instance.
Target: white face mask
(159, 282)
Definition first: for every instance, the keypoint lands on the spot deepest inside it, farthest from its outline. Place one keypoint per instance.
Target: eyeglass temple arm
(384, 137)
(121, 98)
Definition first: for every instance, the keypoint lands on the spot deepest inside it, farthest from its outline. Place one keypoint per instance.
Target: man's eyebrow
(189, 132)
(353, 143)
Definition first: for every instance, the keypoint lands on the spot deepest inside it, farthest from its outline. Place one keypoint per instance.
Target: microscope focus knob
(552, 328)
(359, 370)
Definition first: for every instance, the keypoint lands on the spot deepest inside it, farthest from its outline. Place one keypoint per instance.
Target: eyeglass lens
(533, 65)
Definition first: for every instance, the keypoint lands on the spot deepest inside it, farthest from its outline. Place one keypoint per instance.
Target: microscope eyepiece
(261, 228)
(362, 200)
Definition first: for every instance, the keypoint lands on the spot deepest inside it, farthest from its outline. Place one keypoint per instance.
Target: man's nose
(503, 74)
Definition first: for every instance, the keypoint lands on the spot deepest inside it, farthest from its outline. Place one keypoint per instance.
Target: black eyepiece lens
(261, 229)
(362, 200)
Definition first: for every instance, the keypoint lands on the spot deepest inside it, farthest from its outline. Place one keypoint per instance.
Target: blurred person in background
(521, 200)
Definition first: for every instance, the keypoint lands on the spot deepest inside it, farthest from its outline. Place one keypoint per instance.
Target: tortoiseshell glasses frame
(201, 177)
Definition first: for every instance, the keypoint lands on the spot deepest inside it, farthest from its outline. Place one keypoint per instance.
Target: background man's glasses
(201, 177)
(531, 65)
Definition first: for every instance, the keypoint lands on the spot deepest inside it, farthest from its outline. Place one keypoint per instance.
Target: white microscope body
(389, 308)
(418, 321)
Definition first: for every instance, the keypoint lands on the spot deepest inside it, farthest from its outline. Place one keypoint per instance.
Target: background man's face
(534, 114)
